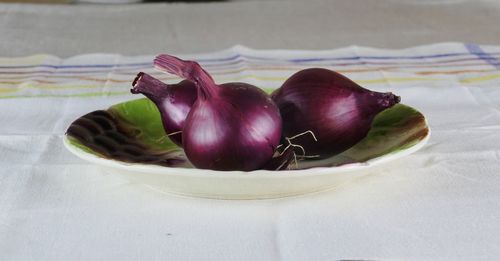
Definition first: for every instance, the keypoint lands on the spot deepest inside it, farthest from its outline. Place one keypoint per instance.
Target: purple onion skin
(174, 101)
(232, 126)
(337, 110)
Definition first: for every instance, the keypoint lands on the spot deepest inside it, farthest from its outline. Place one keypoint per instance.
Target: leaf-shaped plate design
(128, 139)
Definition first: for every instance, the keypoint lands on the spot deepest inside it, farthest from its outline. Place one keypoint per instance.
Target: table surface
(439, 207)
(191, 28)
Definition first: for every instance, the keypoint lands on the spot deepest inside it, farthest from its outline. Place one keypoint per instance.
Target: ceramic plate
(128, 139)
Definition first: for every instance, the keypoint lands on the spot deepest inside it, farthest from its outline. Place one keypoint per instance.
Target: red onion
(232, 126)
(325, 113)
(174, 101)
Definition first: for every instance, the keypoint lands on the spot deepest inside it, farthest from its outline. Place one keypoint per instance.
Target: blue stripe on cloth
(472, 48)
(481, 54)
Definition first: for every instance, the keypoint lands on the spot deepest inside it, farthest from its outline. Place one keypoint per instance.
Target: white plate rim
(192, 172)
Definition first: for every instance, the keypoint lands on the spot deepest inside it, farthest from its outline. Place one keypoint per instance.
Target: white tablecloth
(441, 203)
